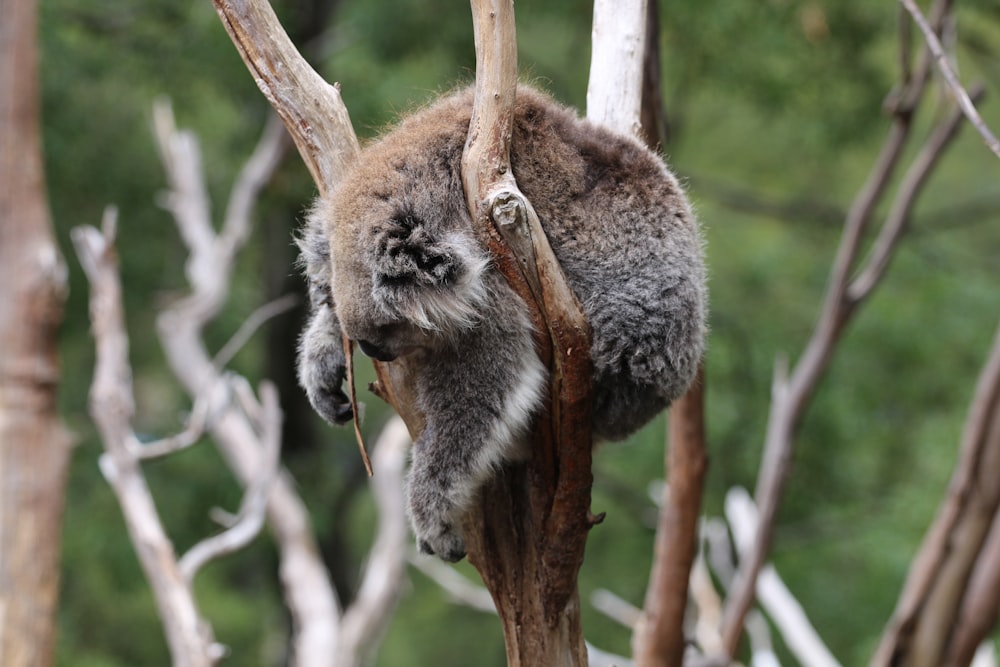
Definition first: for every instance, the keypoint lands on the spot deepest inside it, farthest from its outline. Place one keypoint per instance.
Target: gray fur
(393, 249)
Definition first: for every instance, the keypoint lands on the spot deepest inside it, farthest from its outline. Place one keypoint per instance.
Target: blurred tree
(34, 448)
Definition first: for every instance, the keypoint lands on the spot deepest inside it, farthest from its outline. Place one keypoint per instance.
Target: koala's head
(407, 272)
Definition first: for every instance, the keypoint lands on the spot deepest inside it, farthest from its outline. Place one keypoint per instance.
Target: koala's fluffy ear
(433, 280)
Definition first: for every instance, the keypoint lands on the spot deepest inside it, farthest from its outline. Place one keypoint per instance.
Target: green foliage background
(775, 119)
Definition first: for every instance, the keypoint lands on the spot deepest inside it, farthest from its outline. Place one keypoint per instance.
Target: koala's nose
(375, 352)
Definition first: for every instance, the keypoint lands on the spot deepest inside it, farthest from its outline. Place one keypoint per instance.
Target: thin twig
(964, 101)
(250, 325)
(195, 429)
(906, 196)
(250, 518)
(189, 636)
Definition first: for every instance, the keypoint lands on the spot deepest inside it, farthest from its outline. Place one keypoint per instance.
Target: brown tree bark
(527, 535)
(34, 447)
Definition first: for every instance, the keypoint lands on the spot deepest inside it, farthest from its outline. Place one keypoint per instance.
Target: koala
(393, 262)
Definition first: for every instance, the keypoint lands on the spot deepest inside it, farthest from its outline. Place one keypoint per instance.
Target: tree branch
(797, 632)
(790, 395)
(308, 590)
(368, 616)
(965, 102)
(310, 108)
(528, 541)
(981, 603)
(919, 630)
(189, 636)
(617, 60)
(252, 509)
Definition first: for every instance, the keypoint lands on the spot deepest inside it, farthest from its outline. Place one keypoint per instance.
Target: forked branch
(529, 538)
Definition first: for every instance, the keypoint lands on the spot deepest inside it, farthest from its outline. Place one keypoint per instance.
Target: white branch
(614, 93)
(189, 636)
(367, 617)
(986, 655)
(459, 589)
(250, 519)
(786, 612)
(308, 591)
(616, 608)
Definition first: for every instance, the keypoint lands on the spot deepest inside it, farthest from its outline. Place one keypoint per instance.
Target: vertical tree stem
(34, 448)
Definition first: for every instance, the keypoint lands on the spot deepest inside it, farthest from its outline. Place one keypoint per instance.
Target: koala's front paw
(331, 403)
(434, 518)
(321, 374)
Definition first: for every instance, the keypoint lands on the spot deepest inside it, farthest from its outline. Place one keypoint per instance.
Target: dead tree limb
(791, 394)
(323, 632)
(980, 604)
(34, 446)
(617, 64)
(528, 532)
(923, 621)
(624, 88)
(189, 636)
(965, 101)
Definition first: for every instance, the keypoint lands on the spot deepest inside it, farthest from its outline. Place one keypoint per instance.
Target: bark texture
(33, 444)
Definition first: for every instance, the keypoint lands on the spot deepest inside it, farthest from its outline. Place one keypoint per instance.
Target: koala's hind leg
(480, 398)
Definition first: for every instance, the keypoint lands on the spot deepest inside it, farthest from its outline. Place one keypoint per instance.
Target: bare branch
(618, 51)
(308, 590)
(786, 612)
(254, 175)
(616, 608)
(310, 108)
(986, 655)
(659, 639)
(906, 196)
(533, 576)
(195, 428)
(250, 519)
(708, 608)
(464, 592)
(368, 616)
(250, 325)
(981, 604)
(921, 624)
(459, 588)
(961, 96)
(791, 395)
(189, 636)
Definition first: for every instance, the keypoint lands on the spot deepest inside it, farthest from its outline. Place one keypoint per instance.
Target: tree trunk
(33, 445)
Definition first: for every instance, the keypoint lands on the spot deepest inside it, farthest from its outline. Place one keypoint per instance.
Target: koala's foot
(434, 517)
(447, 544)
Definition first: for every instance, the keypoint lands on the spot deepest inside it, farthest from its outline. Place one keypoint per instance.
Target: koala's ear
(404, 253)
(433, 280)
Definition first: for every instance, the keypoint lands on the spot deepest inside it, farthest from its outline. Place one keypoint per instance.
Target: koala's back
(617, 221)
